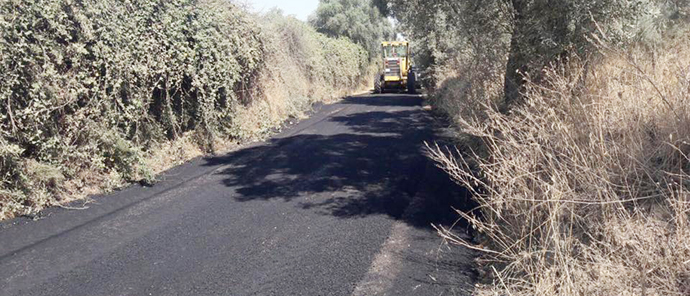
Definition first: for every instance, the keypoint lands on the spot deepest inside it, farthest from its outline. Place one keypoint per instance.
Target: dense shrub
(89, 88)
(328, 64)
(301, 66)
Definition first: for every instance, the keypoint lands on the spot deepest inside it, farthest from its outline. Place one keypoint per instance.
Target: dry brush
(583, 189)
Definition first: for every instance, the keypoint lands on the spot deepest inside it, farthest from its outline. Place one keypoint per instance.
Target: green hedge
(86, 87)
(331, 63)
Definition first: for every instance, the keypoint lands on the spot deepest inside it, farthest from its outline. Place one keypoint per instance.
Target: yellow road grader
(396, 68)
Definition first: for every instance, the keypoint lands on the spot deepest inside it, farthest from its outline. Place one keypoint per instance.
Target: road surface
(337, 204)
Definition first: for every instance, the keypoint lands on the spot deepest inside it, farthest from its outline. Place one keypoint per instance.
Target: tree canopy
(359, 20)
(528, 34)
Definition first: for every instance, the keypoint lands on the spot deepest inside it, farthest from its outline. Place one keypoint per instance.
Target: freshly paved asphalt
(337, 204)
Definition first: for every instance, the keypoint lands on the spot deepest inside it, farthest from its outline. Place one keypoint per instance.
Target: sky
(299, 8)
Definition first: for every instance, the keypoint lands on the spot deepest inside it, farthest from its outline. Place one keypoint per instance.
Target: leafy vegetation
(359, 20)
(92, 90)
(528, 34)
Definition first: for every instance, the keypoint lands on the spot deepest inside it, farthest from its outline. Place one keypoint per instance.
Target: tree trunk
(517, 61)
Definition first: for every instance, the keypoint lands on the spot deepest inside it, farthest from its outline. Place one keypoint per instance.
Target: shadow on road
(385, 100)
(359, 163)
(360, 158)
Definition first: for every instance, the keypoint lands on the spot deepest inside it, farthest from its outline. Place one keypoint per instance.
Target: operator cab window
(391, 51)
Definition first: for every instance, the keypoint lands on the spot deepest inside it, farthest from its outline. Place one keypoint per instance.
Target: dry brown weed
(585, 188)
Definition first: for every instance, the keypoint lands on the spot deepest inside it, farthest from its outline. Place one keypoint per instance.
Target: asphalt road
(337, 204)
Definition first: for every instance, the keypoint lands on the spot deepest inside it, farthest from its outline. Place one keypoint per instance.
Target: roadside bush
(584, 189)
(90, 90)
(301, 66)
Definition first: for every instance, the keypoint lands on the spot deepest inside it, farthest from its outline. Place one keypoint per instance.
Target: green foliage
(331, 62)
(87, 87)
(359, 20)
(665, 20)
(13, 180)
(89, 84)
(529, 34)
(301, 66)
(445, 34)
(382, 6)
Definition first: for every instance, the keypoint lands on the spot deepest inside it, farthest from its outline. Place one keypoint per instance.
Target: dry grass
(477, 84)
(585, 188)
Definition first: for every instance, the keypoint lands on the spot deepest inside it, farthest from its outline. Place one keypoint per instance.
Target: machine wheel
(411, 82)
(378, 86)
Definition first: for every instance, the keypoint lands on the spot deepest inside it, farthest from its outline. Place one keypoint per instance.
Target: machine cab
(395, 61)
